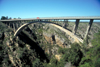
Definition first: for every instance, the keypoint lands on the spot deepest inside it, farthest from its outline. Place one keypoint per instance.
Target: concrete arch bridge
(16, 23)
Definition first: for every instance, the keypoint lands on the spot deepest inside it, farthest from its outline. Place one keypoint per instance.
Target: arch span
(76, 39)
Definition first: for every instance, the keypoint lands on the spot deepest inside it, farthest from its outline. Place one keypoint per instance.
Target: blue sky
(49, 8)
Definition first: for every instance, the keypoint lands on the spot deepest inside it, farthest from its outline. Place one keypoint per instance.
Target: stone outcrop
(52, 41)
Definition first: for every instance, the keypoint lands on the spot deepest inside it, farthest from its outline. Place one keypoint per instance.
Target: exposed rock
(58, 57)
(6, 34)
(49, 39)
(12, 60)
(54, 50)
(16, 44)
(28, 46)
(59, 41)
(68, 64)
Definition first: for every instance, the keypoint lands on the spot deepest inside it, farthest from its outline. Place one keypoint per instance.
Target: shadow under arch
(76, 39)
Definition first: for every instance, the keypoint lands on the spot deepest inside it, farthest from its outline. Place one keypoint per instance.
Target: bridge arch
(76, 39)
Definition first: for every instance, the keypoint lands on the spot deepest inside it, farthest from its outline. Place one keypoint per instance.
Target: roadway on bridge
(58, 18)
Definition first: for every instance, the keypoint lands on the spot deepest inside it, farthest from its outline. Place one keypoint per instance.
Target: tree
(10, 18)
(3, 18)
(19, 18)
(14, 18)
(6, 17)
(72, 55)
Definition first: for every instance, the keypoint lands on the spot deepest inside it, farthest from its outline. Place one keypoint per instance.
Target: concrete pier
(14, 27)
(88, 28)
(9, 25)
(76, 26)
(19, 23)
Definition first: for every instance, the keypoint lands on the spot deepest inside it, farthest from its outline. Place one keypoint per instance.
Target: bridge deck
(58, 18)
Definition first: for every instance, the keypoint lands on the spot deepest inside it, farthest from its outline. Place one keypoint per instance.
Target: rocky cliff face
(55, 36)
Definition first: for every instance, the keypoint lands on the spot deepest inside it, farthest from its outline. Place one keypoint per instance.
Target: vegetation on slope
(77, 57)
(92, 57)
(26, 55)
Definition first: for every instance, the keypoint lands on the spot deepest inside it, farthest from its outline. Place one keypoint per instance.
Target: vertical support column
(66, 23)
(6, 24)
(23, 21)
(76, 26)
(64, 20)
(14, 27)
(26, 21)
(48, 20)
(32, 25)
(63, 23)
(54, 20)
(57, 21)
(88, 28)
(20, 23)
(9, 25)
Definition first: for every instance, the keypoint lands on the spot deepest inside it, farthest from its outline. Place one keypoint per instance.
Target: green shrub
(92, 58)
(37, 63)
